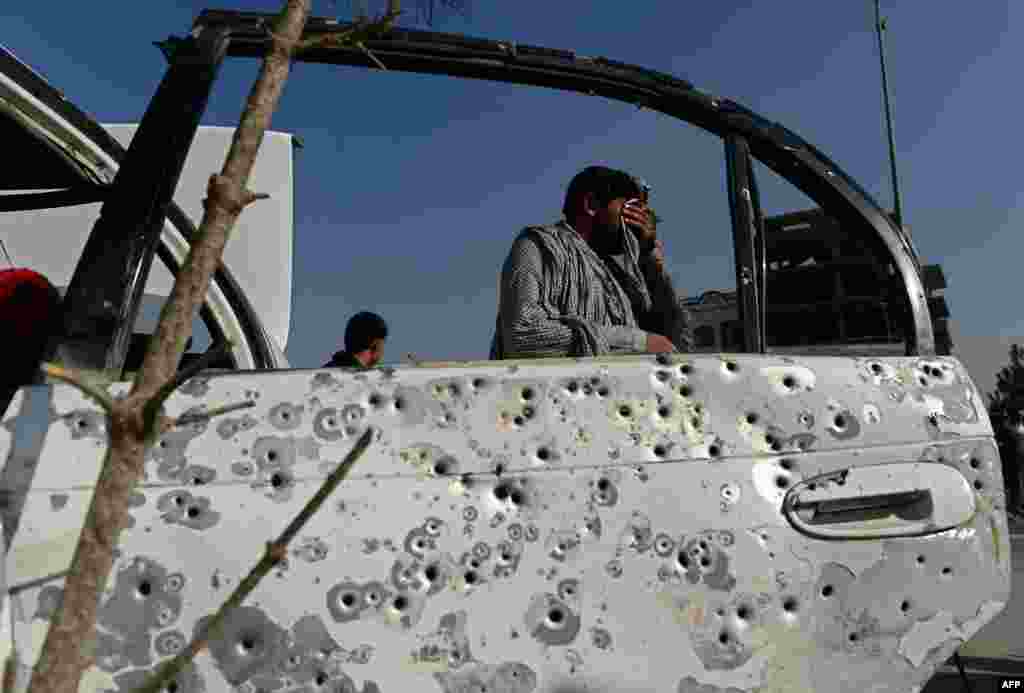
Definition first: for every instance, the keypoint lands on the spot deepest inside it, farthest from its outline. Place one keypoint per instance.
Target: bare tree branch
(152, 408)
(276, 552)
(70, 641)
(101, 396)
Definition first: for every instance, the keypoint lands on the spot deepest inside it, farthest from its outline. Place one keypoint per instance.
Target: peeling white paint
(927, 635)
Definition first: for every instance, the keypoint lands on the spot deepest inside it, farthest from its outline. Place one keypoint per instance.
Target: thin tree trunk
(136, 420)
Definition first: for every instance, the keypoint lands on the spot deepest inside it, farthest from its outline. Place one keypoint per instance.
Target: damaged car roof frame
(428, 52)
(104, 294)
(106, 289)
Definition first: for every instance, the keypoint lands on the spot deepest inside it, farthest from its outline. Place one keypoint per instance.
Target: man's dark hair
(362, 329)
(604, 183)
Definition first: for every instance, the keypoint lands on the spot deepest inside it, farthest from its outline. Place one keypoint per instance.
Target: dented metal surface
(591, 525)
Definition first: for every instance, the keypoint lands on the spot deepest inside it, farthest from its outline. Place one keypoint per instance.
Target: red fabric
(28, 304)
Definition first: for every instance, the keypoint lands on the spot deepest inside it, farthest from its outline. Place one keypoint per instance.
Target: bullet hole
(840, 422)
(431, 572)
(348, 600)
(904, 606)
(947, 571)
(470, 514)
(528, 412)
(442, 467)
(373, 597)
(731, 366)
(247, 644)
(401, 603)
(603, 484)
(519, 420)
(374, 400)
(660, 451)
(277, 480)
(685, 390)
(432, 526)
(573, 387)
(145, 588)
(686, 369)
(515, 497)
(664, 411)
(714, 450)
(602, 391)
(789, 605)
(543, 454)
(978, 485)
(789, 382)
(515, 532)
(501, 492)
(854, 637)
(921, 560)
(876, 368)
(781, 482)
(812, 486)
(499, 469)
(625, 411)
(471, 577)
(683, 560)
(827, 591)
(752, 418)
(743, 613)
(556, 617)
(193, 512)
(975, 463)
(773, 442)
(527, 394)
(841, 481)
(661, 359)
(786, 464)
(705, 561)
(453, 390)
(695, 422)
(399, 403)
(662, 376)
(271, 456)
(172, 687)
(724, 638)
(923, 381)
(321, 678)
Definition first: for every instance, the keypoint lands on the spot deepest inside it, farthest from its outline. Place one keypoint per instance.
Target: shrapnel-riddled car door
(748, 522)
(684, 523)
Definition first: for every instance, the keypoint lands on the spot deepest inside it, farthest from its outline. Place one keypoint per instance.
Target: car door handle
(908, 505)
(881, 501)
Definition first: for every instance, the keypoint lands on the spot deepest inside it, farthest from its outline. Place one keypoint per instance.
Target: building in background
(824, 288)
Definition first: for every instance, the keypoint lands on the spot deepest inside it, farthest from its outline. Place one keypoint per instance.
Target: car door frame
(227, 312)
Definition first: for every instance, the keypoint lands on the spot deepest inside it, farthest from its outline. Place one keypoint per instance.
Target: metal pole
(897, 211)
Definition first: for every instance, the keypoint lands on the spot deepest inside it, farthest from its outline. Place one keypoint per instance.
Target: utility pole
(879, 28)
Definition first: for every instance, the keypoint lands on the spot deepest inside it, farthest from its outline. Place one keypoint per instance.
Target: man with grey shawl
(593, 283)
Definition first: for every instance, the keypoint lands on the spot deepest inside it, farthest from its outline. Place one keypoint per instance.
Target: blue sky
(410, 188)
